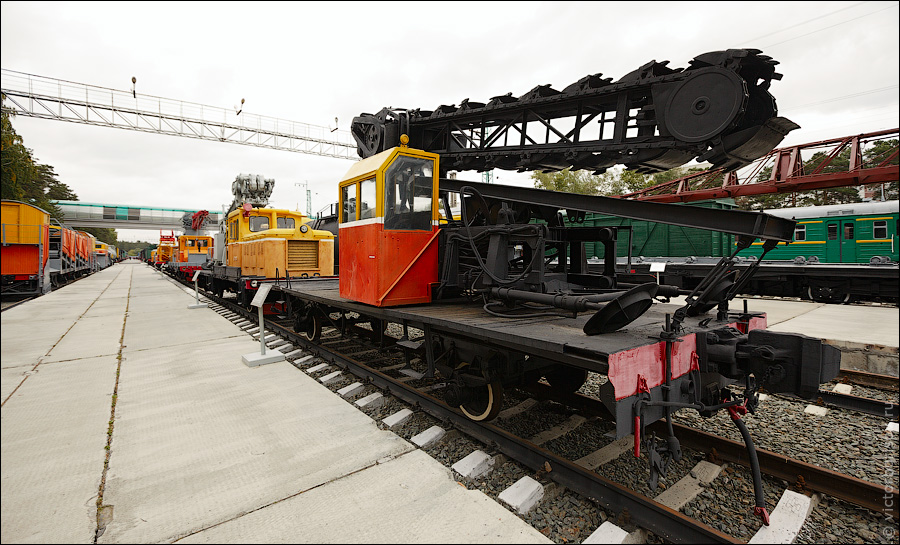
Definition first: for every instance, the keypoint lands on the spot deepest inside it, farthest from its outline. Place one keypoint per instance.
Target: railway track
(534, 437)
(13, 302)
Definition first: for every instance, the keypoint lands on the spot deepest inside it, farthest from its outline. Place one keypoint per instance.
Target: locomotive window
(367, 199)
(800, 232)
(258, 223)
(348, 200)
(832, 231)
(285, 223)
(879, 229)
(848, 231)
(202, 243)
(408, 185)
(190, 243)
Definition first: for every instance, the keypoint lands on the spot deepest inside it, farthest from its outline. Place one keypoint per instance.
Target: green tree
(568, 181)
(875, 155)
(26, 180)
(103, 234)
(612, 182)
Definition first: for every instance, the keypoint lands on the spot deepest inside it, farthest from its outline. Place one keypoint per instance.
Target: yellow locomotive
(264, 243)
(268, 242)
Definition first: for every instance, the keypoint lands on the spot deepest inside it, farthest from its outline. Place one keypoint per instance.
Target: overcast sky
(312, 62)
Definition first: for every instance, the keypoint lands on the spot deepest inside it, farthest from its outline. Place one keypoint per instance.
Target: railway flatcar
(25, 235)
(839, 233)
(70, 254)
(268, 243)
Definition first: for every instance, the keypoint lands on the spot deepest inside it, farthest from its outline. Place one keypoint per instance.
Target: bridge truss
(47, 98)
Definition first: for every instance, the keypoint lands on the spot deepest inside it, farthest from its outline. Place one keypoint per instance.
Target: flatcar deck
(559, 337)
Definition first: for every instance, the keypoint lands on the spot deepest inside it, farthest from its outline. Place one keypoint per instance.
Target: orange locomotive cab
(388, 228)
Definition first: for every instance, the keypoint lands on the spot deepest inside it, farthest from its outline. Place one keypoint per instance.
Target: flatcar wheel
(313, 329)
(566, 379)
(484, 403)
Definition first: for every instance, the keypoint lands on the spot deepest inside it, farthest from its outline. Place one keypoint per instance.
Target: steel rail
(871, 380)
(644, 512)
(818, 479)
(874, 407)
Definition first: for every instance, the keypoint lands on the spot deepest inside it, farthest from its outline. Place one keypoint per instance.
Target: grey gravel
(727, 504)
(836, 521)
(539, 418)
(843, 441)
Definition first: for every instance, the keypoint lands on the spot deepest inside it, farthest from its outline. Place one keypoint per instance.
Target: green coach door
(840, 246)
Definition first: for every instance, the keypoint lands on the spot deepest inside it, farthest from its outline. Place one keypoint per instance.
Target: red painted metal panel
(385, 267)
(19, 259)
(650, 362)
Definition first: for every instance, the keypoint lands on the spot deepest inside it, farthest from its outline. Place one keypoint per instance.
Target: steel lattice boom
(48, 98)
(718, 109)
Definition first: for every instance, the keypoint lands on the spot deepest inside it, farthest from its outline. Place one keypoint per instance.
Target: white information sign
(261, 295)
(196, 274)
(657, 267)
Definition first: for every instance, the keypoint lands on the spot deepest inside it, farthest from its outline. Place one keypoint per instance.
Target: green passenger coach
(838, 233)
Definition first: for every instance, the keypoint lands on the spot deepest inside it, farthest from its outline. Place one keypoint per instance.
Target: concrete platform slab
(193, 418)
(53, 438)
(410, 499)
(89, 337)
(859, 324)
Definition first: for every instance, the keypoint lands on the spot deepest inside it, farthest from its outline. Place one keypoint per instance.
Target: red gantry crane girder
(788, 172)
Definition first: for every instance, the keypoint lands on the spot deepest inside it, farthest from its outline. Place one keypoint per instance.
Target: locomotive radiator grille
(303, 254)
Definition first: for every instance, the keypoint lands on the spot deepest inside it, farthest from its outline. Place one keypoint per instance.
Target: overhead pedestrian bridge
(118, 216)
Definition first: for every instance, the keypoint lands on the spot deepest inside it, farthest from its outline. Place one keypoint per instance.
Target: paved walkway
(203, 448)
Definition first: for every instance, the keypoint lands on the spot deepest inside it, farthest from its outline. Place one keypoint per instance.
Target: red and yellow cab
(388, 228)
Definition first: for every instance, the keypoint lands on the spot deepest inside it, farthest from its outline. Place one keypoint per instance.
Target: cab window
(800, 232)
(190, 243)
(258, 223)
(202, 243)
(879, 229)
(408, 185)
(367, 199)
(348, 203)
(285, 223)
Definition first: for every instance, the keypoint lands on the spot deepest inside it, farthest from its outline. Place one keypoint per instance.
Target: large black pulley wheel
(371, 134)
(566, 379)
(622, 310)
(712, 300)
(483, 403)
(705, 104)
